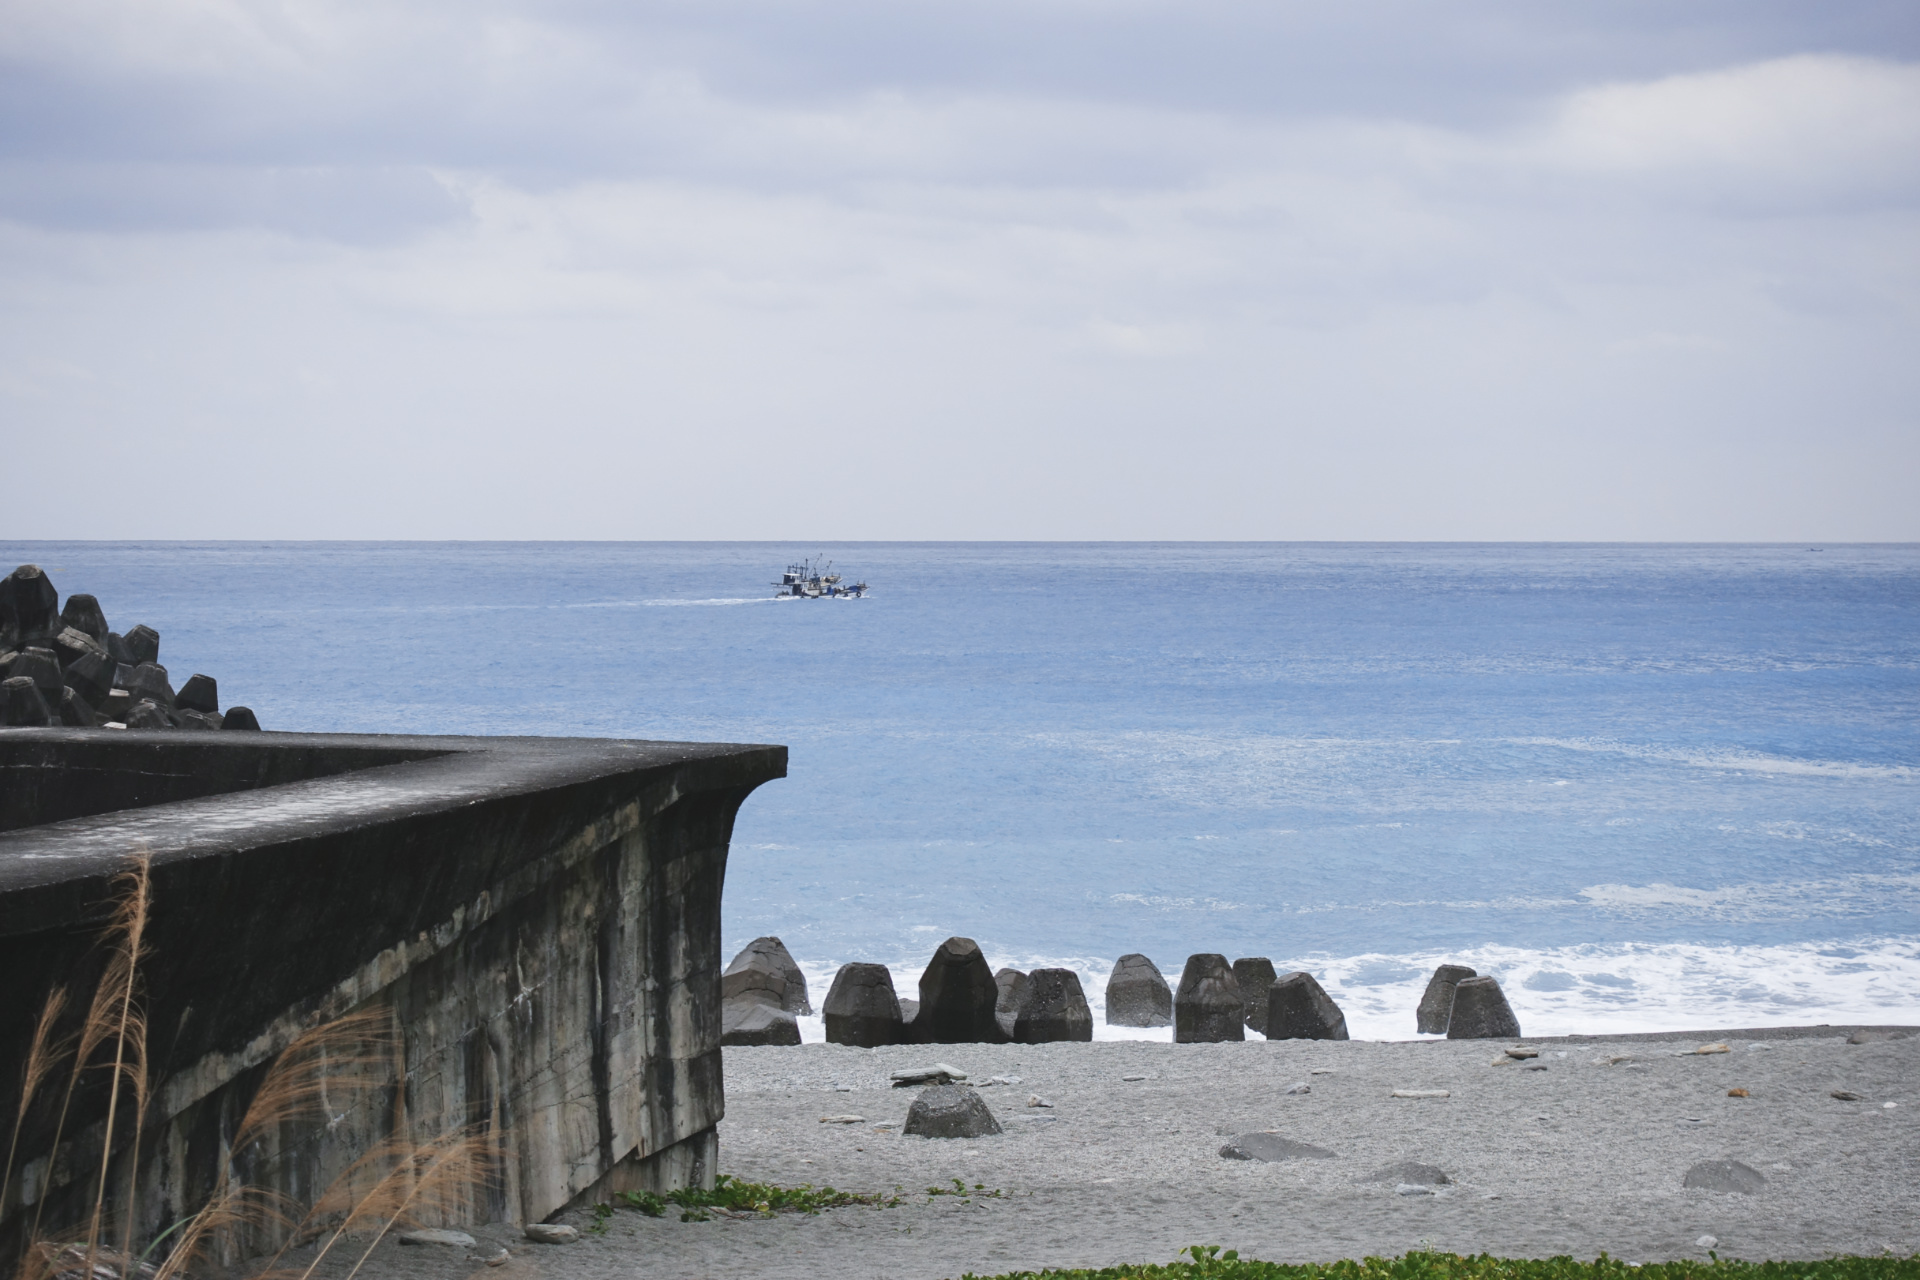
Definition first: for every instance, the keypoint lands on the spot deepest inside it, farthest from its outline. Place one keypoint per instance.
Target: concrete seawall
(535, 921)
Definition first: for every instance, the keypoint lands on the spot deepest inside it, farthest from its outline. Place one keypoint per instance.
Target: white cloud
(392, 272)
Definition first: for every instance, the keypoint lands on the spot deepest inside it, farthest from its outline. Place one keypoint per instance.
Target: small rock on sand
(1707, 1049)
(950, 1111)
(1422, 1093)
(1724, 1175)
(1302, 1087)
(438, 1235)
(1412, 1189)
(1843, 1095)
(1409, 1171)
(1738, 1093)
(1706, 1242)
(1271, 1147)
(843, 1119)
(551, 1233)
(938, 1073)
(1035, 1100)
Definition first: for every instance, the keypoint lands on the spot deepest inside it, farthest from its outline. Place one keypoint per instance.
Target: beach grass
(1209, 1262)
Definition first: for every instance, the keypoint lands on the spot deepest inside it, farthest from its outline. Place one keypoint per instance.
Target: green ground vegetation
(1208, 1262)
(735, 1196)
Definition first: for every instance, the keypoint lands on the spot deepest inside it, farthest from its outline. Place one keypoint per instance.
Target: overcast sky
(827, 269)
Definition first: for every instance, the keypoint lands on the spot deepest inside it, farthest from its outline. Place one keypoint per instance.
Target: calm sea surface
(1645, 786)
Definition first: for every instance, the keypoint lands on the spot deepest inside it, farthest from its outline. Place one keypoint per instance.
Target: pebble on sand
(1724, 1175)
(938, 1073)
(1271, 1147)
(1409, 1171)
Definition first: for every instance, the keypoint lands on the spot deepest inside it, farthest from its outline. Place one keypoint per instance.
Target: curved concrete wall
(536, 920)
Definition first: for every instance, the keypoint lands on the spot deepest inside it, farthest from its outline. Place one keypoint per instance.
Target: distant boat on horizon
(808, 581)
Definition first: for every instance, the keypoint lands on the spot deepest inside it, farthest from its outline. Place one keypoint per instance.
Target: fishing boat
(810, 581)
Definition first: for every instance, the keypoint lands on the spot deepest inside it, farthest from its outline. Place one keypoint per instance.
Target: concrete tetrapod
(1298, 1008)
(1254, 975)
(1436, 1003)
(1138, 994)
(751, 1021)
(765, 968)
(957, 998)
(1013, 998)
(1055, 1009)
(1208, 1006)
(861, 1008)
(1481, 1012)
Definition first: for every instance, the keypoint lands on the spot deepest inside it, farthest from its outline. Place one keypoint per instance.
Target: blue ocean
(1646, 786)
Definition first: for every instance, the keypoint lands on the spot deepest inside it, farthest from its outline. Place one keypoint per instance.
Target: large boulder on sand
(752, 1021)
(763, 967)
(1208, 1006)
(861, 1008)
(1055, 1009)
(957, 998)
(949, 1111)
(1138, 994)
(1013, 998)
(1436, 1005)
(1298, 1008)
(1481, 1012)
(1254, 975)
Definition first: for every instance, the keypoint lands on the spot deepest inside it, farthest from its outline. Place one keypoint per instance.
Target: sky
(898, 269)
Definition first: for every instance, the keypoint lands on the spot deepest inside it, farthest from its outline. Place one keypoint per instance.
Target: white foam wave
(1726, 761)
(1834, 897)
(1592, 990)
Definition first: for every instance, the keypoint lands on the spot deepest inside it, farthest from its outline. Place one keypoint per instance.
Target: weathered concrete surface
(538, 920)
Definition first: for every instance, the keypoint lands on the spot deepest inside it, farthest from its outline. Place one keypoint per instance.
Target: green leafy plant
(735, 1196)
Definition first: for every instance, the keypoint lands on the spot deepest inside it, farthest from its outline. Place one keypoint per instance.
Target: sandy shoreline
(1582, 1157)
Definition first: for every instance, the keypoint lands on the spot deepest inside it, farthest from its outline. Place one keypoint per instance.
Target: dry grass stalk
(433, 1178)
(129, 1034)
(43, 1055)
(106, 1018)
(310, 1075)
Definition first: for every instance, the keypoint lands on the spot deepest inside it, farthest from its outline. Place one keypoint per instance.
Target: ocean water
(1646, 786)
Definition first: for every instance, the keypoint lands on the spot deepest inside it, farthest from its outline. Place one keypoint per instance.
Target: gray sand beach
(1582, 1157)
